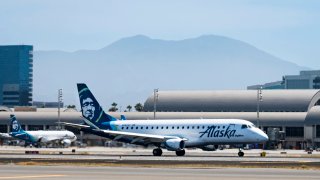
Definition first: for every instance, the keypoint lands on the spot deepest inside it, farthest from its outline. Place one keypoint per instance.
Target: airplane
(38, 138)
(173, 135)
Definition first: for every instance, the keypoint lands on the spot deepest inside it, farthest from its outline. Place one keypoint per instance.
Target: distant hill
(128, 70)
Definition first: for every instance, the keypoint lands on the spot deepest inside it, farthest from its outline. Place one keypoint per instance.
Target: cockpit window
(249, 126)
(244, 126)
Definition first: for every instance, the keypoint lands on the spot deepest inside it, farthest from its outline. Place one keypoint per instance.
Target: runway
(120, 157)
(131, 163)
(85, 173)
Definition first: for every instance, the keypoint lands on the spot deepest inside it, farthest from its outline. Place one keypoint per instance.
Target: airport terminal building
(296, 113)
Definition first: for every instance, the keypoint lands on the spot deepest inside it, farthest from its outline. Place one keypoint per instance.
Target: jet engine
(66, 142)
(209, 147)
(174, 144)
(43, 140)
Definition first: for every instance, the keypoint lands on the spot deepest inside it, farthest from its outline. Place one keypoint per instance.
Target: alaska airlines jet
(40, 137)
(173, 135)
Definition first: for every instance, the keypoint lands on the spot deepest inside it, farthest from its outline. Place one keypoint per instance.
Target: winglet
(122, 117)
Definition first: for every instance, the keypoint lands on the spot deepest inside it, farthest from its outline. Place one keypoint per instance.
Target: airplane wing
(5, 135)
(134, 137)
(77, 126)
(49, 139)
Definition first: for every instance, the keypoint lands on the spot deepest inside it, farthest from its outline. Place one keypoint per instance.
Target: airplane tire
(240, 154)
(157, 152)
(181, 152)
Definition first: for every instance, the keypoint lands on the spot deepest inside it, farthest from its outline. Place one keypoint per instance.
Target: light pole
(155, 99)
(59, 102)
(259, 99)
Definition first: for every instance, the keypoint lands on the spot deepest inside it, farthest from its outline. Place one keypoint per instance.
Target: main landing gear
(181, 152)
(240, 153)
(158, 152)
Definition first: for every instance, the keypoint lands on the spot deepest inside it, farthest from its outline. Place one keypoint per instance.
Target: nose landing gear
(240, 153)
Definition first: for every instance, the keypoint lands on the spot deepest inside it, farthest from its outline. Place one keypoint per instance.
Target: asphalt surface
(85, 173)
(142, 158)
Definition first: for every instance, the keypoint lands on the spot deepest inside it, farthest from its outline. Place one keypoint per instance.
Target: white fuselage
(197, 132)
(48, 136)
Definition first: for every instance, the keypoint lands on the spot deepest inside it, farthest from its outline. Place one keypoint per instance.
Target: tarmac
(108, 173)
(138, 157)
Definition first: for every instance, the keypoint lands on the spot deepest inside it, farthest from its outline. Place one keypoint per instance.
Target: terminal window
(294, 131)
(35, 127)
(318, 131)
(3, 129)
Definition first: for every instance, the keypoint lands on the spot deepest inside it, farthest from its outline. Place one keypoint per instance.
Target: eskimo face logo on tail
(88, 108)
(15, 126)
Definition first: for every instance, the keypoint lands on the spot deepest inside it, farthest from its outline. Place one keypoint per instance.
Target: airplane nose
(263, 136)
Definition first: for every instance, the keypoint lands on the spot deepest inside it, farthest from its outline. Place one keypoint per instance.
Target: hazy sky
(289, 29)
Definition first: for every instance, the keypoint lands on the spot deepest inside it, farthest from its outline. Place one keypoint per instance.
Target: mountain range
(128, 70)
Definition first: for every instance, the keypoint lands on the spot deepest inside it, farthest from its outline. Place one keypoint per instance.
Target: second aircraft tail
(15, 125)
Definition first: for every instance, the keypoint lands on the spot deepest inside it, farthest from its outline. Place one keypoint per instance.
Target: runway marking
(34, 176)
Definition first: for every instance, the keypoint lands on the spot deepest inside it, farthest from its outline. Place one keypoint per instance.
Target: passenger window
(202, 127)
(151, 127)
(218, 127)
(187, 127)
(198, 127)
(223, 127)
(167, 127)
(141, 127)
(157, 127)
(131, 127)
(172, 127)
(244, 126)
(178, 127)
(127, 127)
(147, 127)
(182, 127)
(162, 127)
(192, 127)
(136, 127)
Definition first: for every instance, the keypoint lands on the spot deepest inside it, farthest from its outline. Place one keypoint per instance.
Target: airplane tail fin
(15, 125)
(91, 110)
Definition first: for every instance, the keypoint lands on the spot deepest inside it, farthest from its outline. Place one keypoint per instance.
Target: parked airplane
(173, 135)
(40, 137)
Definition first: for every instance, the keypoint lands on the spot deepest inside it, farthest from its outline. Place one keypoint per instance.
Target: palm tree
(71, 106)
(113, 107)
(129, 108)
(138, 107)
(114, 104)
